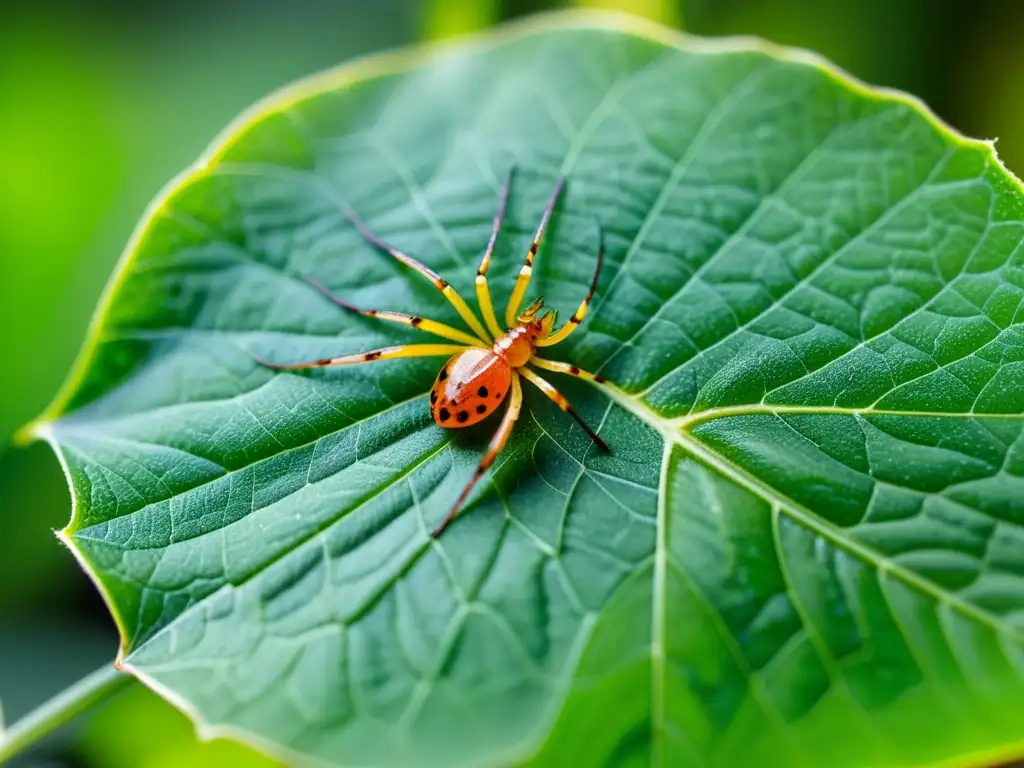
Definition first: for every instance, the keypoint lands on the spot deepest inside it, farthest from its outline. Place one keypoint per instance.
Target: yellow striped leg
(523, 281)
(515, 405)
(581, 312)
(559, 399)
(384, 353)
(439, 282)
(569, 370)
(424, 324)
(483, 292)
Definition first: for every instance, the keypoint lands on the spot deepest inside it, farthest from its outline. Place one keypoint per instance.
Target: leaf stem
(62, 708)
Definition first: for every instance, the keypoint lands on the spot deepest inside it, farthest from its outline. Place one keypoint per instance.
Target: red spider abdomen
(470, 386)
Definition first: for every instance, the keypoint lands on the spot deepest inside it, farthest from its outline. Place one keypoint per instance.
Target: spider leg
(423, 323)
(483, 292)
(523, 281)
(439, 282)
(577, 317)
(497, 444)
(569, 370)
(559, 399)
(384, 353)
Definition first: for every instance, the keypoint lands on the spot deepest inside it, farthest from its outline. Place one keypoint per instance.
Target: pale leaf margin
(394, 62)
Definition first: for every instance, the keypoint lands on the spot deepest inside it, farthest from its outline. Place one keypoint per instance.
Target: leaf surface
(806, 546)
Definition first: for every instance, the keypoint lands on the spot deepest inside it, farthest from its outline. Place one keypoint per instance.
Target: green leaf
(807, 544)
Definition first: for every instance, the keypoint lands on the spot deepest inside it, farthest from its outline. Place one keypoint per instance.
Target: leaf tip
(63, 535)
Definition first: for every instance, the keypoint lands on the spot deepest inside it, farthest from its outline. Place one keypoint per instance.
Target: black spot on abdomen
(482, 392)
(444, 414)
(462, 416)
(481, 408)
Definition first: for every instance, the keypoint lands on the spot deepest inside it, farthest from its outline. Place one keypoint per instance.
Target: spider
(484, 369)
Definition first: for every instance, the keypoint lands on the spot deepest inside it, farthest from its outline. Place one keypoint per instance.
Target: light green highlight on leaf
(663, 11)
(451, 18)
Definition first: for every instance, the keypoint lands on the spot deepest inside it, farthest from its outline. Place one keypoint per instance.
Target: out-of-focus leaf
(56, 186)
(451, 18)
(141, 730)
(664, 11)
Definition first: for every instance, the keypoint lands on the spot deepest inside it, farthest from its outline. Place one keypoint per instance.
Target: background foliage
(102, 107)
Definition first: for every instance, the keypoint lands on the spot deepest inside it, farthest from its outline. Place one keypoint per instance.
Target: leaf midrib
(692, 420)
(675, 432)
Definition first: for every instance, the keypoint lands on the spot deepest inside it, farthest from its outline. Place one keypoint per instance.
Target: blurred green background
(102, 102)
